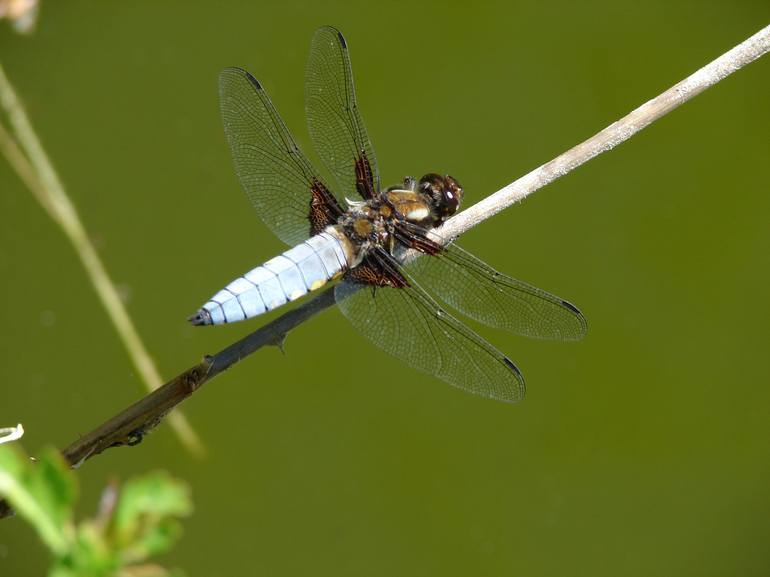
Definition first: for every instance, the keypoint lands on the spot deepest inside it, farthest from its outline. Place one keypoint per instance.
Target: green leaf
(144, 523)
(43, 493)
(91, 554)
(153, 539)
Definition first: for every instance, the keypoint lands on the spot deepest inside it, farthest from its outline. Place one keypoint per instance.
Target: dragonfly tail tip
(202, 317)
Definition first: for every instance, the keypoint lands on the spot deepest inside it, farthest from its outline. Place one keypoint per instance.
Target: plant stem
(26, 155)
(620, 131)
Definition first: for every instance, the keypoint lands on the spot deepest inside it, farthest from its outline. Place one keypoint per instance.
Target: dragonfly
(358, 235)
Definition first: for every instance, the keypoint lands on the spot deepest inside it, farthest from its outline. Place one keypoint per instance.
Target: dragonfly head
(443, 194)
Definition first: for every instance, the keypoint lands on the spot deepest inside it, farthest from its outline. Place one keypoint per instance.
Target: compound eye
(451, 202)
(445, 194)
(431, 183)
(452, 195)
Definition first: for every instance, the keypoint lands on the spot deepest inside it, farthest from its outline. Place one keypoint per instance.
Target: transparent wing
(334, 122)
(477, 290)
(409, 324)
(277, 177)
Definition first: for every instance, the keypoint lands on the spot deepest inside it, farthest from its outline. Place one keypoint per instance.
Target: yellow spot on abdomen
(317, 284)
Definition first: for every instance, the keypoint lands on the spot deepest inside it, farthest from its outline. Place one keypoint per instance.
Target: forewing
(276, 175)
(407, 323)
(477, 290)
(334, 122)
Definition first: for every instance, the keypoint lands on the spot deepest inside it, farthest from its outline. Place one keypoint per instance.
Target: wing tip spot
(509, 363)
(237, 70)
(580, 318)
(522, 390)
(253, 80)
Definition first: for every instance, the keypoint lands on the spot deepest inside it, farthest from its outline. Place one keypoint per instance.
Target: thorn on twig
(278, 341)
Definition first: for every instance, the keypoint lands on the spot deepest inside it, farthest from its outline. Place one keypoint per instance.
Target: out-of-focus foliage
(21, 13)
(133, 522)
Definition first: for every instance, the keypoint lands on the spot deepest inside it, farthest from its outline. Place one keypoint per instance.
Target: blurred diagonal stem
(130, 425)
(26, 155)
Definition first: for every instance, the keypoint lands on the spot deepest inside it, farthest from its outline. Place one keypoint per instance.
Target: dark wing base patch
(412, 236)
(365, 179)
(324, 208)
(375, 272)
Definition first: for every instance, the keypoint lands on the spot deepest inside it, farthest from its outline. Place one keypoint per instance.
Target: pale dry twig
(26, 155)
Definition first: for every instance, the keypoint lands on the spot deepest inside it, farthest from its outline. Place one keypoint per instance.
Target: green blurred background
(642, 450)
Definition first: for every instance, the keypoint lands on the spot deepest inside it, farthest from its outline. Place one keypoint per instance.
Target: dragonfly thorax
(366, 225)
(372, 223)
(427, 203)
